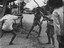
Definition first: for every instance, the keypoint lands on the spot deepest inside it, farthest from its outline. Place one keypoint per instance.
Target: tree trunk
(3, 9)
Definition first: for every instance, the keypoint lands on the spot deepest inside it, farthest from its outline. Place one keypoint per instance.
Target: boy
(50, 30)
(7, 25)
(36, 22)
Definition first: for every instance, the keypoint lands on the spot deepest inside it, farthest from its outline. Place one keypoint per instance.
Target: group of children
(9, 20)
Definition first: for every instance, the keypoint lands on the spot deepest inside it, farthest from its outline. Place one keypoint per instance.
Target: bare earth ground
(21, 41)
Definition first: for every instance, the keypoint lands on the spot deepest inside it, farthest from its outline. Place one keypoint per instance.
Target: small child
(50, 30)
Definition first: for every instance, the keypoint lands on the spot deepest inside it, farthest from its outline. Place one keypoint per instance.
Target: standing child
(36, 22)
(50, 30)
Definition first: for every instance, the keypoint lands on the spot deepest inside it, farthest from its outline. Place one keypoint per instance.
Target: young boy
(50, 30)
(36, 22)
(7, 25)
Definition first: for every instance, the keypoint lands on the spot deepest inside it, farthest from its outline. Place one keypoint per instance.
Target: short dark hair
(55, 3)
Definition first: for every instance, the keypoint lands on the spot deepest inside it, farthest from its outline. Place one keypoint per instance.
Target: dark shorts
(50, 30)
(36, 22)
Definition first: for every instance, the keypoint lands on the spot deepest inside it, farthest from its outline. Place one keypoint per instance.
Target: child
(7, 25)
(36, 22)
(50, 30)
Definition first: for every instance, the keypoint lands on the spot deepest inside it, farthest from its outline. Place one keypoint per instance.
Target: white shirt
(58, 20)
(9, 20)
(7, 26)
(8, 16)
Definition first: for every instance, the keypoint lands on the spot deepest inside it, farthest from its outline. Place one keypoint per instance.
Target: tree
(4, 3)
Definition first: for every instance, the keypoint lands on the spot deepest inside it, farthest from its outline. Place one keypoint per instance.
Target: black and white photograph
(31, 23)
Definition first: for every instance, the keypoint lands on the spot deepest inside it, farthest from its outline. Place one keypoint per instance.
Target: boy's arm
(3, 18)
(45, 16)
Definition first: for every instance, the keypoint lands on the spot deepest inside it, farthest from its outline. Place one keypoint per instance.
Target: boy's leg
(48, 35)
(52, 40)
(2, 33)
(49, 41)
(34, 24)
(39, 29)
(52, 34)
(14, 35)
(30, 31)
(56, 43)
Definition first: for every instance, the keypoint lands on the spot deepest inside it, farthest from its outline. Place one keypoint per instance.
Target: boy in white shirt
(7, 25)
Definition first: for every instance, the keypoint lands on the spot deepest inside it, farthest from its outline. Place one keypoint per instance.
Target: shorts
(50, 30)
(36, 22)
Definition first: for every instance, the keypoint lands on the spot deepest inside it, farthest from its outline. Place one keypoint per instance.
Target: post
(18, 6)
(63, 18)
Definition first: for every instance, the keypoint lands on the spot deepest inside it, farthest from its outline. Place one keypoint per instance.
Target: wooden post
(18, 6)
(63, 18)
